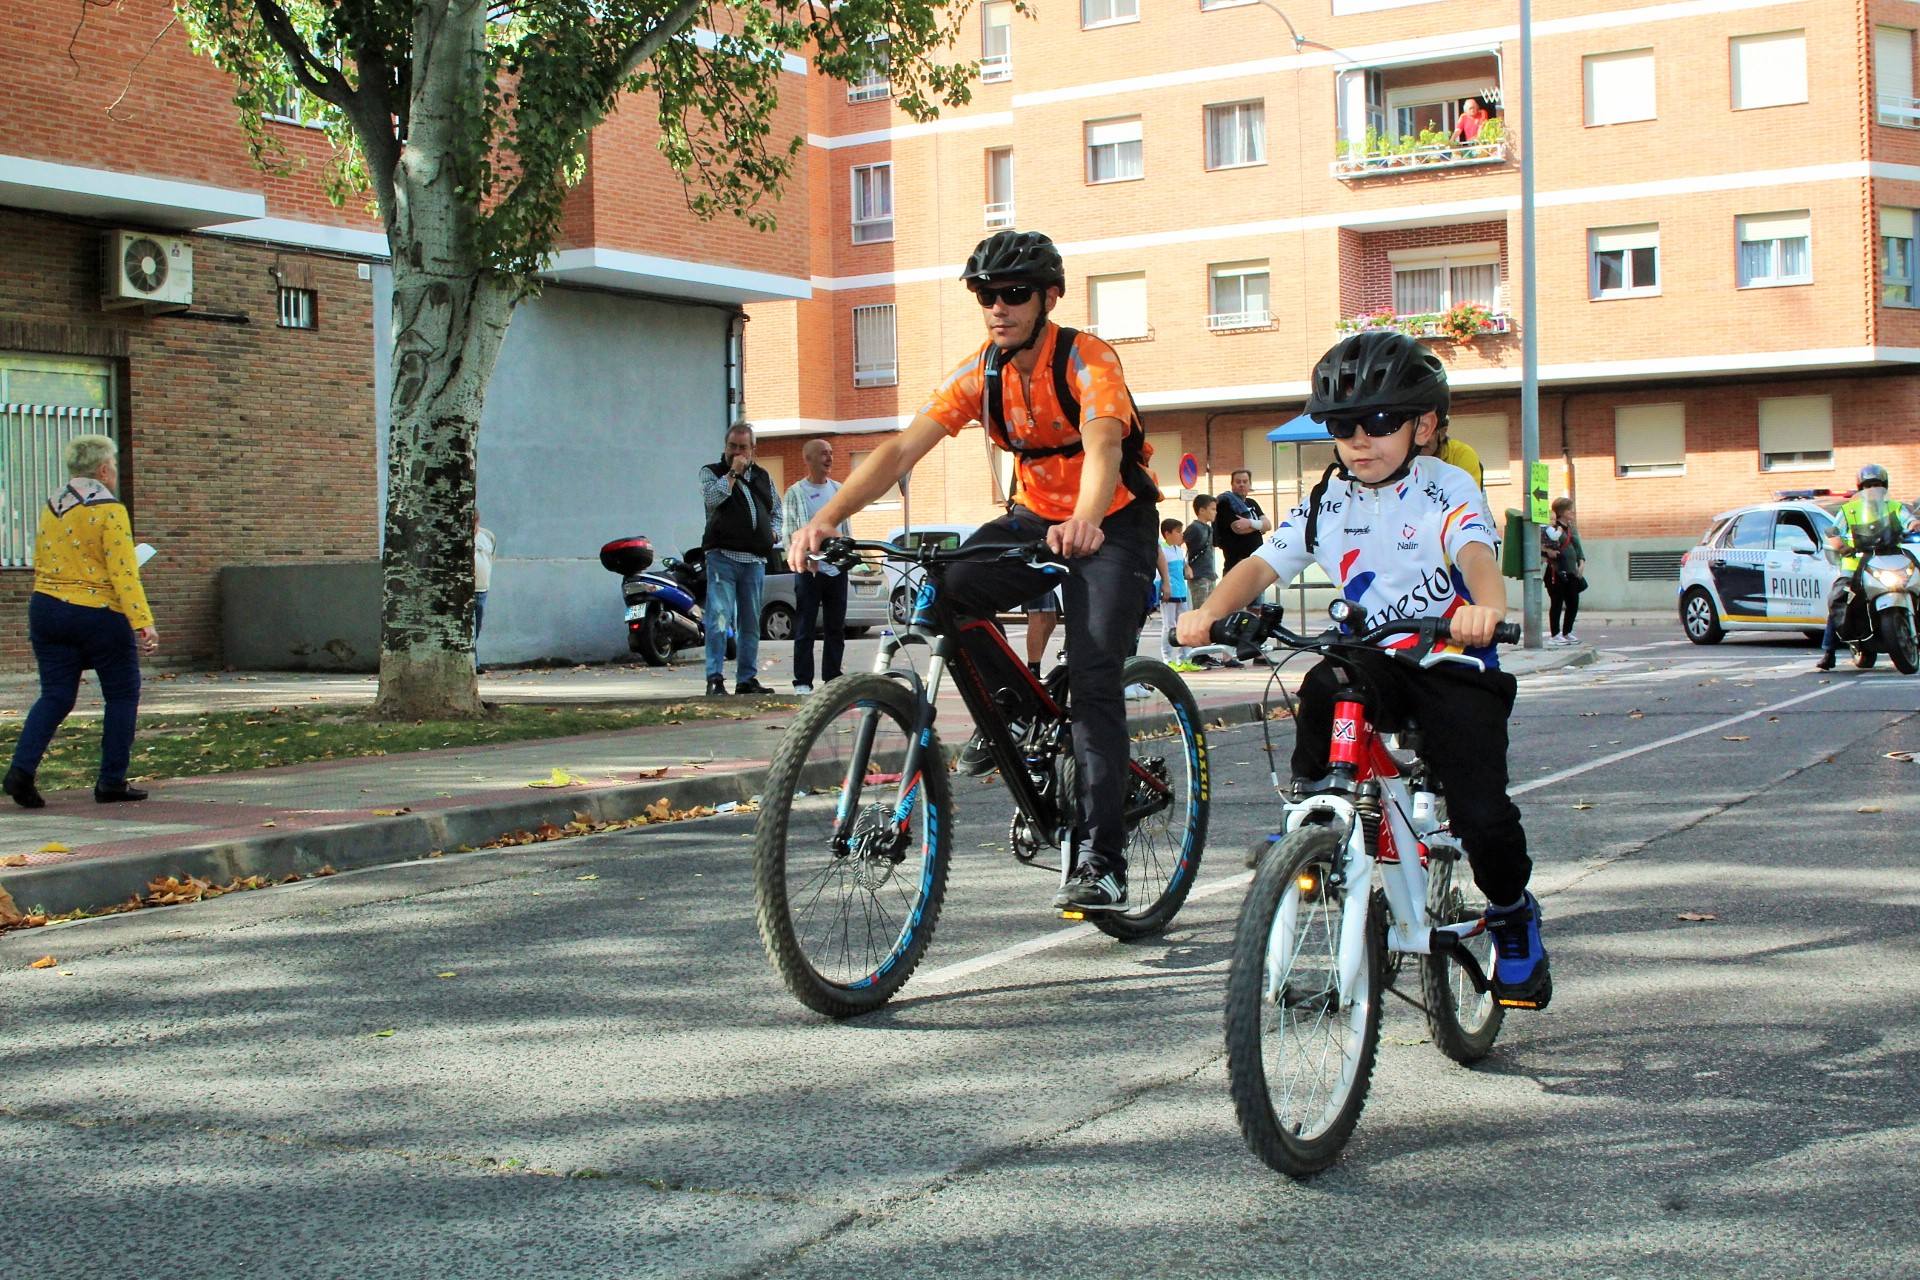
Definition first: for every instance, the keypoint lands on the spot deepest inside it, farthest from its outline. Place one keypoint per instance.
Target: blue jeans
(68, 639)
(733, 601)
(819, 593)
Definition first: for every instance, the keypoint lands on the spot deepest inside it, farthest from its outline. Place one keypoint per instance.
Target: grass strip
(169, 745)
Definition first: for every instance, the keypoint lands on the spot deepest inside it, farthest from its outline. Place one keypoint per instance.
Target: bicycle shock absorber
(1366, 807)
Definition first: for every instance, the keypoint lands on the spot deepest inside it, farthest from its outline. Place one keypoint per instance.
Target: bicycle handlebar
(843, 553)
(1247, 629)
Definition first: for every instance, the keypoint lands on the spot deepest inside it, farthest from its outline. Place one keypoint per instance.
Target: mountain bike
(855, 837)
(1364, 874)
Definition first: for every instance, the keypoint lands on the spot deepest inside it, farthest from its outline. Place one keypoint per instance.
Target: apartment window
(1431, 280)
(1796, 433)
(999, 188)
(996, 40)
(1486, 434)
(1619, 86)
(293, 107)
(1117, 306)
(872, 203)
(1769, 70)
(1236, 134)
(875, 362)
(1893, 77)
(1100, 13)
(1775, 249)
(1114, 150)
(1896, 258)
(1650, 440)
(1436, 113)
(297, 308)
(45, 401)
(1625, 261)
(875, 84)
(1237, 294)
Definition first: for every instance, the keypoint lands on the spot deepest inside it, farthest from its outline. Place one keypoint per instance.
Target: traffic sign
(1189, 471)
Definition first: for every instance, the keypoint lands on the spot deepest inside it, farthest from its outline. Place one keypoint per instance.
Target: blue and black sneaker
(1521, 978)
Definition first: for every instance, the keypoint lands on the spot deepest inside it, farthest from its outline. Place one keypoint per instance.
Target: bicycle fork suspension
(910, 776)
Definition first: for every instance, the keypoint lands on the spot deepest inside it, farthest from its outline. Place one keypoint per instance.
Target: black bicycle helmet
(1015, 257)
(1375, 372)
(1872, 475)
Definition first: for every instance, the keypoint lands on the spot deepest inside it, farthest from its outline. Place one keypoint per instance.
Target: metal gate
(45, 401)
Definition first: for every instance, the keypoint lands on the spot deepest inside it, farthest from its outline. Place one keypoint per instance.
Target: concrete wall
(301, 617)
(601, 410)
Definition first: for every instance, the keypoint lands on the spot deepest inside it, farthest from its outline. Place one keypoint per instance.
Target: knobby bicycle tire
(1443, 984)
(786, 778)
(1152, 917)
(1284, 1145)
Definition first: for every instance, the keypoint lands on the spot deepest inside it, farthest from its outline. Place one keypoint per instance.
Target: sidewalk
(387, 809)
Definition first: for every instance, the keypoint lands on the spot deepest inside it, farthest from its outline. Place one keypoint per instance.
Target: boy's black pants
(1462, 716)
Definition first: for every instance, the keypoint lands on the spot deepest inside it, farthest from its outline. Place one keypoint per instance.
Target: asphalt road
(591, 1070)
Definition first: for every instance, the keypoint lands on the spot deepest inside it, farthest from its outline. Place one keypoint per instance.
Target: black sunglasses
(1378, 425)
(1013, 295)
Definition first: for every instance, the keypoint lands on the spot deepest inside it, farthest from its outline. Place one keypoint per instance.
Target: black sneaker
(750, 688)
(19, 785)
(976, 760)
(716, 687)
(1825, 663)
(117, 795)
(1091, 889)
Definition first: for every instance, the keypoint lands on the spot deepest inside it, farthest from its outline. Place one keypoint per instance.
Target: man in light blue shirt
(823, 591)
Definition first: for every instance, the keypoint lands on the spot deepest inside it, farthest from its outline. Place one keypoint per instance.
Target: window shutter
(1769, 70)
(1796, 424)
(1649, 435)
(1620, 87)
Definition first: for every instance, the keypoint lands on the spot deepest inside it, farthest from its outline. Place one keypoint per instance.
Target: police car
(1761, 568)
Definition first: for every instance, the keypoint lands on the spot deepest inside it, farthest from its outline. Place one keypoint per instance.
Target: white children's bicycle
(1364, 874)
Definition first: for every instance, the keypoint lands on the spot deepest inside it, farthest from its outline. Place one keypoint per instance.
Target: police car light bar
(1789, 495)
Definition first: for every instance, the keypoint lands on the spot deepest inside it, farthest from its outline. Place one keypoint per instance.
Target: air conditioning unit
(139, 269)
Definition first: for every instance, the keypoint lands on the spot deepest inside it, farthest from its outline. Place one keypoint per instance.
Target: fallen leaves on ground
(53, 846)
(1733, 737)
(1904, 757)
(1636, 714)
(166, 891)
(1583, 805)
(1868, 808)
(1696, 916)
(558, 778)
(14, 860)
(391, 813)
(44, 962)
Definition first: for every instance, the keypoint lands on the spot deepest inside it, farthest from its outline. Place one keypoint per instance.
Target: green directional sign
(1540, 496)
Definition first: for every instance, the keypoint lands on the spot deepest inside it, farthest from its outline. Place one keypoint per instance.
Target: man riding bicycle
(1408, 536)
(1082, 485)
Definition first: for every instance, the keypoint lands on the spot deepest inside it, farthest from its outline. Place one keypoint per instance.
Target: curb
(104, 882)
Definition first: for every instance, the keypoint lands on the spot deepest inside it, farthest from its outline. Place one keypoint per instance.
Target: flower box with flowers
(1462, 322)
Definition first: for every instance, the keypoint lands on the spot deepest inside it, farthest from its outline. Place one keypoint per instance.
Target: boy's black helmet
(1375, 372)
(1015, 257)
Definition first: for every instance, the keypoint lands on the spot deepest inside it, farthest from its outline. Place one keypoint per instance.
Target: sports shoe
(1091, 889)
(1521, 979)
(750, 688)
(976, 761)
(1570, 638)
(1826, 661)
(803, 689)
(19, 785)
(1135, 692)
(716, 686)
(116, 795)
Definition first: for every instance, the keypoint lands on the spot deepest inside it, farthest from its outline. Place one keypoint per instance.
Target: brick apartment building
(250, 410)
(1726, 196)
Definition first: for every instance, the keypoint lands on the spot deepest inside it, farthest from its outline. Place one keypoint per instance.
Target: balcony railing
(876, 375)
(871, 89)
(1221, 320)
(1900, 112)
(1000, 216)
(996, 66)
(1389, 159)
(1131, 335)
(1454, 324)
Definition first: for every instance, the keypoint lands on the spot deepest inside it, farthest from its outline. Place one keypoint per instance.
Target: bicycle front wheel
(1167, 800)
(846, 920)
(1300, 1053)
(1464, 1022)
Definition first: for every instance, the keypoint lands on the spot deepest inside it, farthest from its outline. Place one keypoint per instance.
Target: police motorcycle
(1879, 614)
(665, 605)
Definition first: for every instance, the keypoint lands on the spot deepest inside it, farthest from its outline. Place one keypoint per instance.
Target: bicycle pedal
(1512, 1002)
(1072, 913)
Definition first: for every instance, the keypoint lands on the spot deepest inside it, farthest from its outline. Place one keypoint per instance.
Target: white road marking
(1061, 937)
(1058, 938)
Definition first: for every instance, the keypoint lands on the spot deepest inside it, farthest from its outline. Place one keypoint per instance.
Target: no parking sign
(1189, 471)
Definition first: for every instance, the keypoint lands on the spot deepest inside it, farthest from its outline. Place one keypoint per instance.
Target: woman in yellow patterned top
(88, 611)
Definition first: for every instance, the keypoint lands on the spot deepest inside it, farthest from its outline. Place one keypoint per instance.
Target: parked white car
(866, 600)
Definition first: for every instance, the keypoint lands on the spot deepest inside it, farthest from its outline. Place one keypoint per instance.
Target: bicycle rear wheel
(1168, 799)
(845, 927)
(1299, 1057)
(1464, 1022)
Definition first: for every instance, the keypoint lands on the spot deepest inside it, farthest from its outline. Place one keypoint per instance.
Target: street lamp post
(1531, 588)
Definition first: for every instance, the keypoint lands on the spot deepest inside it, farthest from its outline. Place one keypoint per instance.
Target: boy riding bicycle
(1408, 536)
(1082, 486)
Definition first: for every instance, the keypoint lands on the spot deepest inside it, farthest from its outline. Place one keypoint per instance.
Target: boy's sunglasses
(1378, 425)
(1013, 295)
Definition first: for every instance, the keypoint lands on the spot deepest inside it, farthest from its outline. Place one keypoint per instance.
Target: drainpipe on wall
(736, 369)
(1566, 442)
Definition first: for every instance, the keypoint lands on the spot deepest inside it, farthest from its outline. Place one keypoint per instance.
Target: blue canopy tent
(1298, 432)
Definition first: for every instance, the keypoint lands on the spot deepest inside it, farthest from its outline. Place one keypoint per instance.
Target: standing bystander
(1563, 569)
(1200, 563)
(1239, 522)
(741, 513)
(824, 591)
(1176, 589)
(88, 610)
(483, 548)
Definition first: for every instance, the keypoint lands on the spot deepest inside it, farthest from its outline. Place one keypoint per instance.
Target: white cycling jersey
(1395, 550)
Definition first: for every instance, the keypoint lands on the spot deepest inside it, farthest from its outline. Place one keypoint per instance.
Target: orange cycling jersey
(1050, 486)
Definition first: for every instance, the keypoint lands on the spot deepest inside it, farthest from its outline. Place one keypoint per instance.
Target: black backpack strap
(1313, 505)
(1133, 470)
